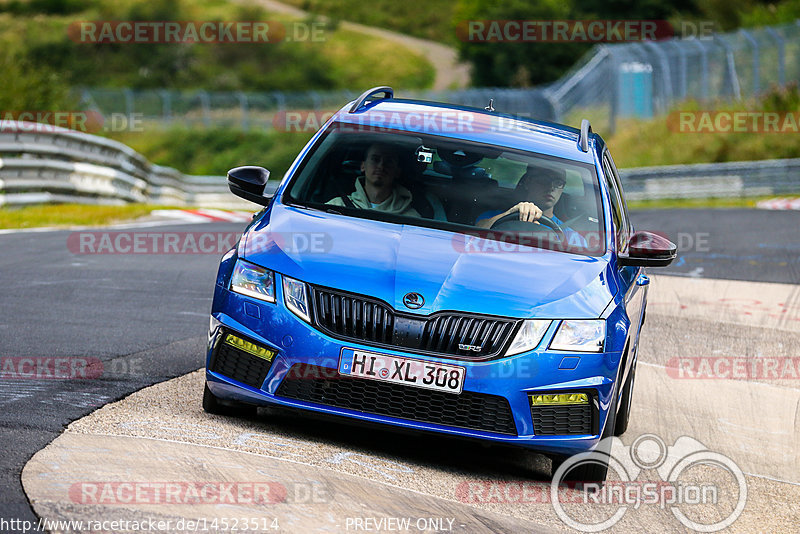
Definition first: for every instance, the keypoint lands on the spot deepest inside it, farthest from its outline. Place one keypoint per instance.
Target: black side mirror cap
(249, 182)
(647, 249)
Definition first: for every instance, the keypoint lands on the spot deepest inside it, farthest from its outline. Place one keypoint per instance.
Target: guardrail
(44, 164)
(40, 163)
(706, 180)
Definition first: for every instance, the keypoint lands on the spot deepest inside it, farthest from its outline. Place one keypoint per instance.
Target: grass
(214, 151)
(431, 19)
(379, 62)
(71, 215)
(646, 143)
(339, 60)
(697, 203)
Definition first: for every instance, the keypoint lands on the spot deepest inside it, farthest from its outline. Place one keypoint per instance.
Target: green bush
(29, 87)
(282, 65)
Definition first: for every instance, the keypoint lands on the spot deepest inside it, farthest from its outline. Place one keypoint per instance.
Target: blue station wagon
(438, 268)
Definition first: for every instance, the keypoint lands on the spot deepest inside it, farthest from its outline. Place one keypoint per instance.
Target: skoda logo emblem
(413, 300)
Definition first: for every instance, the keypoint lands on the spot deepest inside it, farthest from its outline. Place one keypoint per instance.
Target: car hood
(387, 261)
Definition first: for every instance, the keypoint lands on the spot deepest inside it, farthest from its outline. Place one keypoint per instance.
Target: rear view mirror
(647, 249)
(248, 182)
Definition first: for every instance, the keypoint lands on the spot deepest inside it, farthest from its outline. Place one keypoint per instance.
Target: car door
(634, 281)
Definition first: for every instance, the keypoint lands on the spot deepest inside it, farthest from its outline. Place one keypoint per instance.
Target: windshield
(456, 185)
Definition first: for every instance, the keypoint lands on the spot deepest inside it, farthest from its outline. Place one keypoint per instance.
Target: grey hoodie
(399, 202)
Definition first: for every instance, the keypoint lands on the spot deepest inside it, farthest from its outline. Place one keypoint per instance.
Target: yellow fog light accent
(249, 348)
(559, 398)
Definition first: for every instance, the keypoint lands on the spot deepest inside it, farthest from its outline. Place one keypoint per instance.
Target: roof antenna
(490, 107)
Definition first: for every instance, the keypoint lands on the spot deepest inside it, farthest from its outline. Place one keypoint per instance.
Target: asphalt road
(136, 320)
(734, 244)
(144, 317)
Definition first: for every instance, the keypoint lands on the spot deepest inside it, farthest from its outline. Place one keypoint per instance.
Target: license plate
(406, 371)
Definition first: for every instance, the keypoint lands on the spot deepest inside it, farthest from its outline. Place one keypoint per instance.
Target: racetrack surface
(148, 314)
(735, 244)
(143, 316)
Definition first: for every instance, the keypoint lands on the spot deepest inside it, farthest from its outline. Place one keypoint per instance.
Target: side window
(620, 192)
(618, 212)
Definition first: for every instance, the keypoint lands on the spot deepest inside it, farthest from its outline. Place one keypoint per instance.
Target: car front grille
(459, 335)
(239, 365)
(321, 385)
(353, 317)
(560, 420)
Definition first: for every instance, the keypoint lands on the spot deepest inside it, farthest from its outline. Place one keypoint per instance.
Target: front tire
(624, 414)
(215, 406)
(596, 470)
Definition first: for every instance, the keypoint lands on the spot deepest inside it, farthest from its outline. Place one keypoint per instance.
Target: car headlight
(529, 336)
(295, 295)
(585, 335)
(253, 281)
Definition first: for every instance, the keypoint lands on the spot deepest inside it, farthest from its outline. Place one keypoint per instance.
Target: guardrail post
(166, 104)
(756, 70)
(666, 78)
(682, 68)
(781, 54)
(128, 102)
(205, 104)
(613, 105)
(731, 64)
(703, 68)
(243, 107)
(554, 105)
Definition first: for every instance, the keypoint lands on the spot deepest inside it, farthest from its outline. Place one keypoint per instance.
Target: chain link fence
(636, 79)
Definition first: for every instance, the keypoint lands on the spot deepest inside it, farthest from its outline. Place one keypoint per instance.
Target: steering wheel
(512, 222)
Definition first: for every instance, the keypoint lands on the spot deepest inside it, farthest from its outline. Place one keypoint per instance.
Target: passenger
(379, 189)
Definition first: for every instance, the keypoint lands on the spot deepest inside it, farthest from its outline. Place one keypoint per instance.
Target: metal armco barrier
(707, 180)
(44, 164)
(40, 163)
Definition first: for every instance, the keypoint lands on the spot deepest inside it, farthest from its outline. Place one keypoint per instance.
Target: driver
(543, 186)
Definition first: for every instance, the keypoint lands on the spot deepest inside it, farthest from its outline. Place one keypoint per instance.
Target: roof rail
(387, 91)
(583, 138)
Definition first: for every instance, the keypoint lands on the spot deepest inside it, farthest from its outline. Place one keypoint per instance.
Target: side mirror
(248, 182)
(647, 249)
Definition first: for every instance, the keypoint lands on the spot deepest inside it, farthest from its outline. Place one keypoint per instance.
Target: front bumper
(509, 381)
